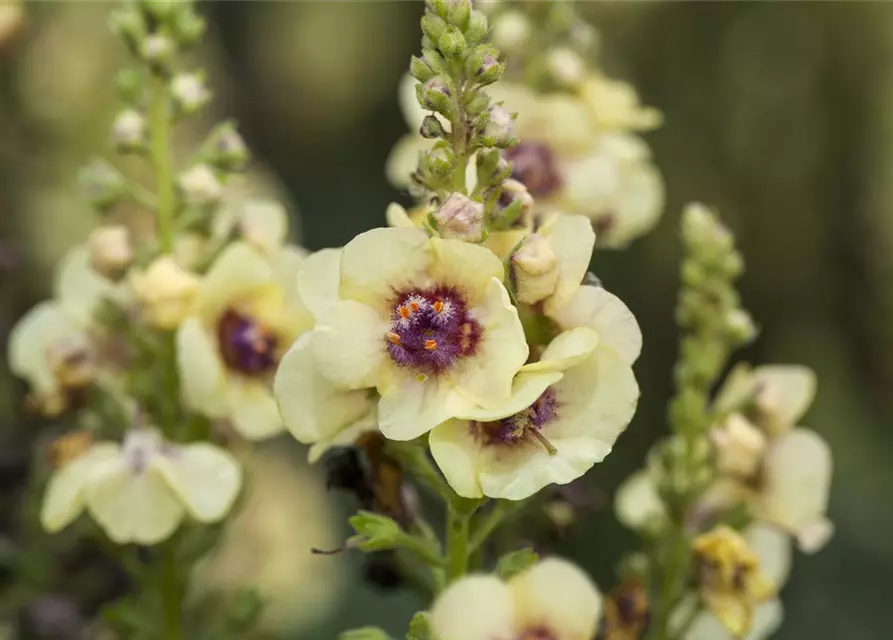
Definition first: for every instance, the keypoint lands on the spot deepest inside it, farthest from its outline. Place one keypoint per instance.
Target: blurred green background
(779, 114)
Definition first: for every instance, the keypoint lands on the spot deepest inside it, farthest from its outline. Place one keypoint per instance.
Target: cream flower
(553, 600)
(166, 292)
(261, 222)
(316, 411)
(243, 320)
(615, 106)
(565, 414)
(141, 491)
(637, 503)
(425, 321)
(51, 346)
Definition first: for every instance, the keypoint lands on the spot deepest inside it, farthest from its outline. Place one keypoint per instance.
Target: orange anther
(431, 345)
(414, 306)
(394, 337)
(438, 306)
(404, 312)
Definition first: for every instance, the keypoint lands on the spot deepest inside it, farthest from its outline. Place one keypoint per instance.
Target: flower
(200, 185)
(166, 292)
(51, 346)
(140, 491)
(244, 317)
(129, 130)
(783, 472)
(262, 222)
(638, 505)
(627, 612)
(110, 250)
(565, 66)
(554, 600)
(426, 322)
(461, 218)
(615, 105)
(190, 91)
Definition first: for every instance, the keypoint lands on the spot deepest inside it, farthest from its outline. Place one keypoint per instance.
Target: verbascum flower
(638, 505)
(261, 222)
(424, 321)
(243, 320)
(140, 492)
(554, 600)
(783, 472)
(315, 410)
(51, 347)
(565, 414)
(165, 291)
(614, 104)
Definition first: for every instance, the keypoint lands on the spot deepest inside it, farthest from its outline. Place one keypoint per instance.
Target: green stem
(501, 511)
(160, 151)
(458, 549)
(172, 592)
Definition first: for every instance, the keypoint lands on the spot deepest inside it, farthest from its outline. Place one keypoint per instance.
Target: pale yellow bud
(739, 446)
(565, 66)
(200, 185)
(129, 130)
(461, 218)
(189, 91)
(110, 250)
(166, 291)
(535, 267)
(511, 31)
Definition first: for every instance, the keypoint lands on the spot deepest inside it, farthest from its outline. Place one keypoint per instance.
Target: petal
(202, 372)
(404, 159)
(206, 478)
(312, 408)
(64, 499)
(487, 377)
(474, 608)
(264, 223)
(470, 268)
(791, 389)
(410, 407)
(796, 480)
(78, 287)
(396, 216)
(773, 548)
(288, 263)
(345, 437)
(572, 239)
(637, 502)
(253, 409)
(766, 621)
(456, 451)
(318, 280)
(349, 344)
(638, 205)
(557, 595)
(130, 507)
(526, 388)
(29, 339)
(567, 349)
(814, 536)
(605, 313)
(238, 272)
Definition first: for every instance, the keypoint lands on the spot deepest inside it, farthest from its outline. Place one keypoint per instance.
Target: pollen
(438, 306)
(431, 345)
(393, 337)
(414, 306)
(405, 313)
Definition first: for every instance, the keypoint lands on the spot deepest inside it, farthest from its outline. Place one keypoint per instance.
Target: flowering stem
(160, 132)
(171, 595)
(501, 511)
(457, 540)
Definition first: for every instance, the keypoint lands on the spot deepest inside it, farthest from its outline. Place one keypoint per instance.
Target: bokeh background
(779, 114)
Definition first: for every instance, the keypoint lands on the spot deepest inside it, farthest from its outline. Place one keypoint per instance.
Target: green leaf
(515, 562)
(420, 627)
(366, 633)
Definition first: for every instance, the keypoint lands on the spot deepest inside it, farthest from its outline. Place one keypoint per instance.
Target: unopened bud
(103, 185)
(535, 269)
(129, 131)
(434, 95)
(511, 32)
(433, 26)
(129, 24)
(157, 50)
(439, 162)
(111, 252)
(225, 148)
(421, 70)
(492, 168)
(190, 92)
(458, 13)
(160, 10)
(166, 291)
(478, 104)
(701, 228)
(478, 27)
(500, 129)
(739, 446)
(130, 86)
(566, 67)
(452, 43)
(187, 26)
(200, 185)
(461, 218)
(431, 128)
(484, 66)
(515, 204)
(740, 326)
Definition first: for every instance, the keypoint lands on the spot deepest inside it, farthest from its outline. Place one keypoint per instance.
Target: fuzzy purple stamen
(431, 330)
(246, 345)
(516, 428)
(534, 165)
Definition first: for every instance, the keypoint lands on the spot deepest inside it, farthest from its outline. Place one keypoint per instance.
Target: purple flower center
(431, 329)
(246, 345)
(534, 165)
(538, 633)
(517, 428)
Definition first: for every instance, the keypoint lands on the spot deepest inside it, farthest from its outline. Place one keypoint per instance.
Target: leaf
(420, 627)
(515, 562)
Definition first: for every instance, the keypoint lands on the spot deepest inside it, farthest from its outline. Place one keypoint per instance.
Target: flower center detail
(539, 633)
(431, 329)
(535, 166)
(522, 426)
(246, 345)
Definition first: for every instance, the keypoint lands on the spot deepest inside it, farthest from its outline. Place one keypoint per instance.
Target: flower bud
(103, 185)
(461, 218)
(130, 86)
(439, 162)
(225, 149)
(200, 185)
(484, 66)
(421, 70)
(492, 168)
(478, 26)
(740, 326)
(478, 104)
(702, 229)
(190, 92)
(500, 128)
(187, 26)
(458, 13)
(157, 50)
(166, 291)
(739, 446)
(375, 532)
(433, 26)
(129, 24)
(111, 252)
(452, 43)
(129, 131)
(160, 10)
(431, 128)
(434, 95)
(535, 269)
(515, 204)
(565, 66)
(511, 32)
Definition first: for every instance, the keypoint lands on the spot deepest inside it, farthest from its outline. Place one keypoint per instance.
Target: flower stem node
(166, 291)
(461, 218)
(103, 185)
(200, 186)
(111, 251)
(190, 92)
(534, 269)
(129, 131)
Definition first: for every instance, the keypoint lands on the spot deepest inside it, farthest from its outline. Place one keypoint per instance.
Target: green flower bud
(432, 128)
(478, 102)
(499, 130)
(189, 91)
(129, 83)
(435, 95)
(458, 13)
(420, 70)
(515, 562)
(478, 27)
(159, 10)
(438, 163)
(375, 532)
(103, 185)
(452, 43)
(433, 26)
(484, 66)
(492, 168)
(420, 627)
(158, 51)
(130, 26)
(437, 7)
(187, 26)
(225, 149)
(740, 326)
(129, 131)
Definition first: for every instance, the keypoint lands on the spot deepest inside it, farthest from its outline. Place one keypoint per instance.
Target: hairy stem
(160, 151)
(457, 539)
(172, 592)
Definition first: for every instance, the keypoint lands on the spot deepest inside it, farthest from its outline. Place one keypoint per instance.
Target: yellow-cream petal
(345, 437)
(206, 478)
(132, 506)
(288, 263)
(638, 205)
(558, 596)
(264, 223)
(78, 288)
(474, 608)
(404, 159)
(789, 390)
(572, 239)
(637, 502)
(318, 281)
(203, 380)
(456, 451)
(410, 407)
(238, 272)
(380, 262)
(773, 548)
(312, 408)
(487, 377)
(470, 268)
(767, 618)
(63, 501)
(253, 409)
(526, 388)
(605, 313)
(396, 216)
(42, 326)
(349, 344)
(566, 350)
